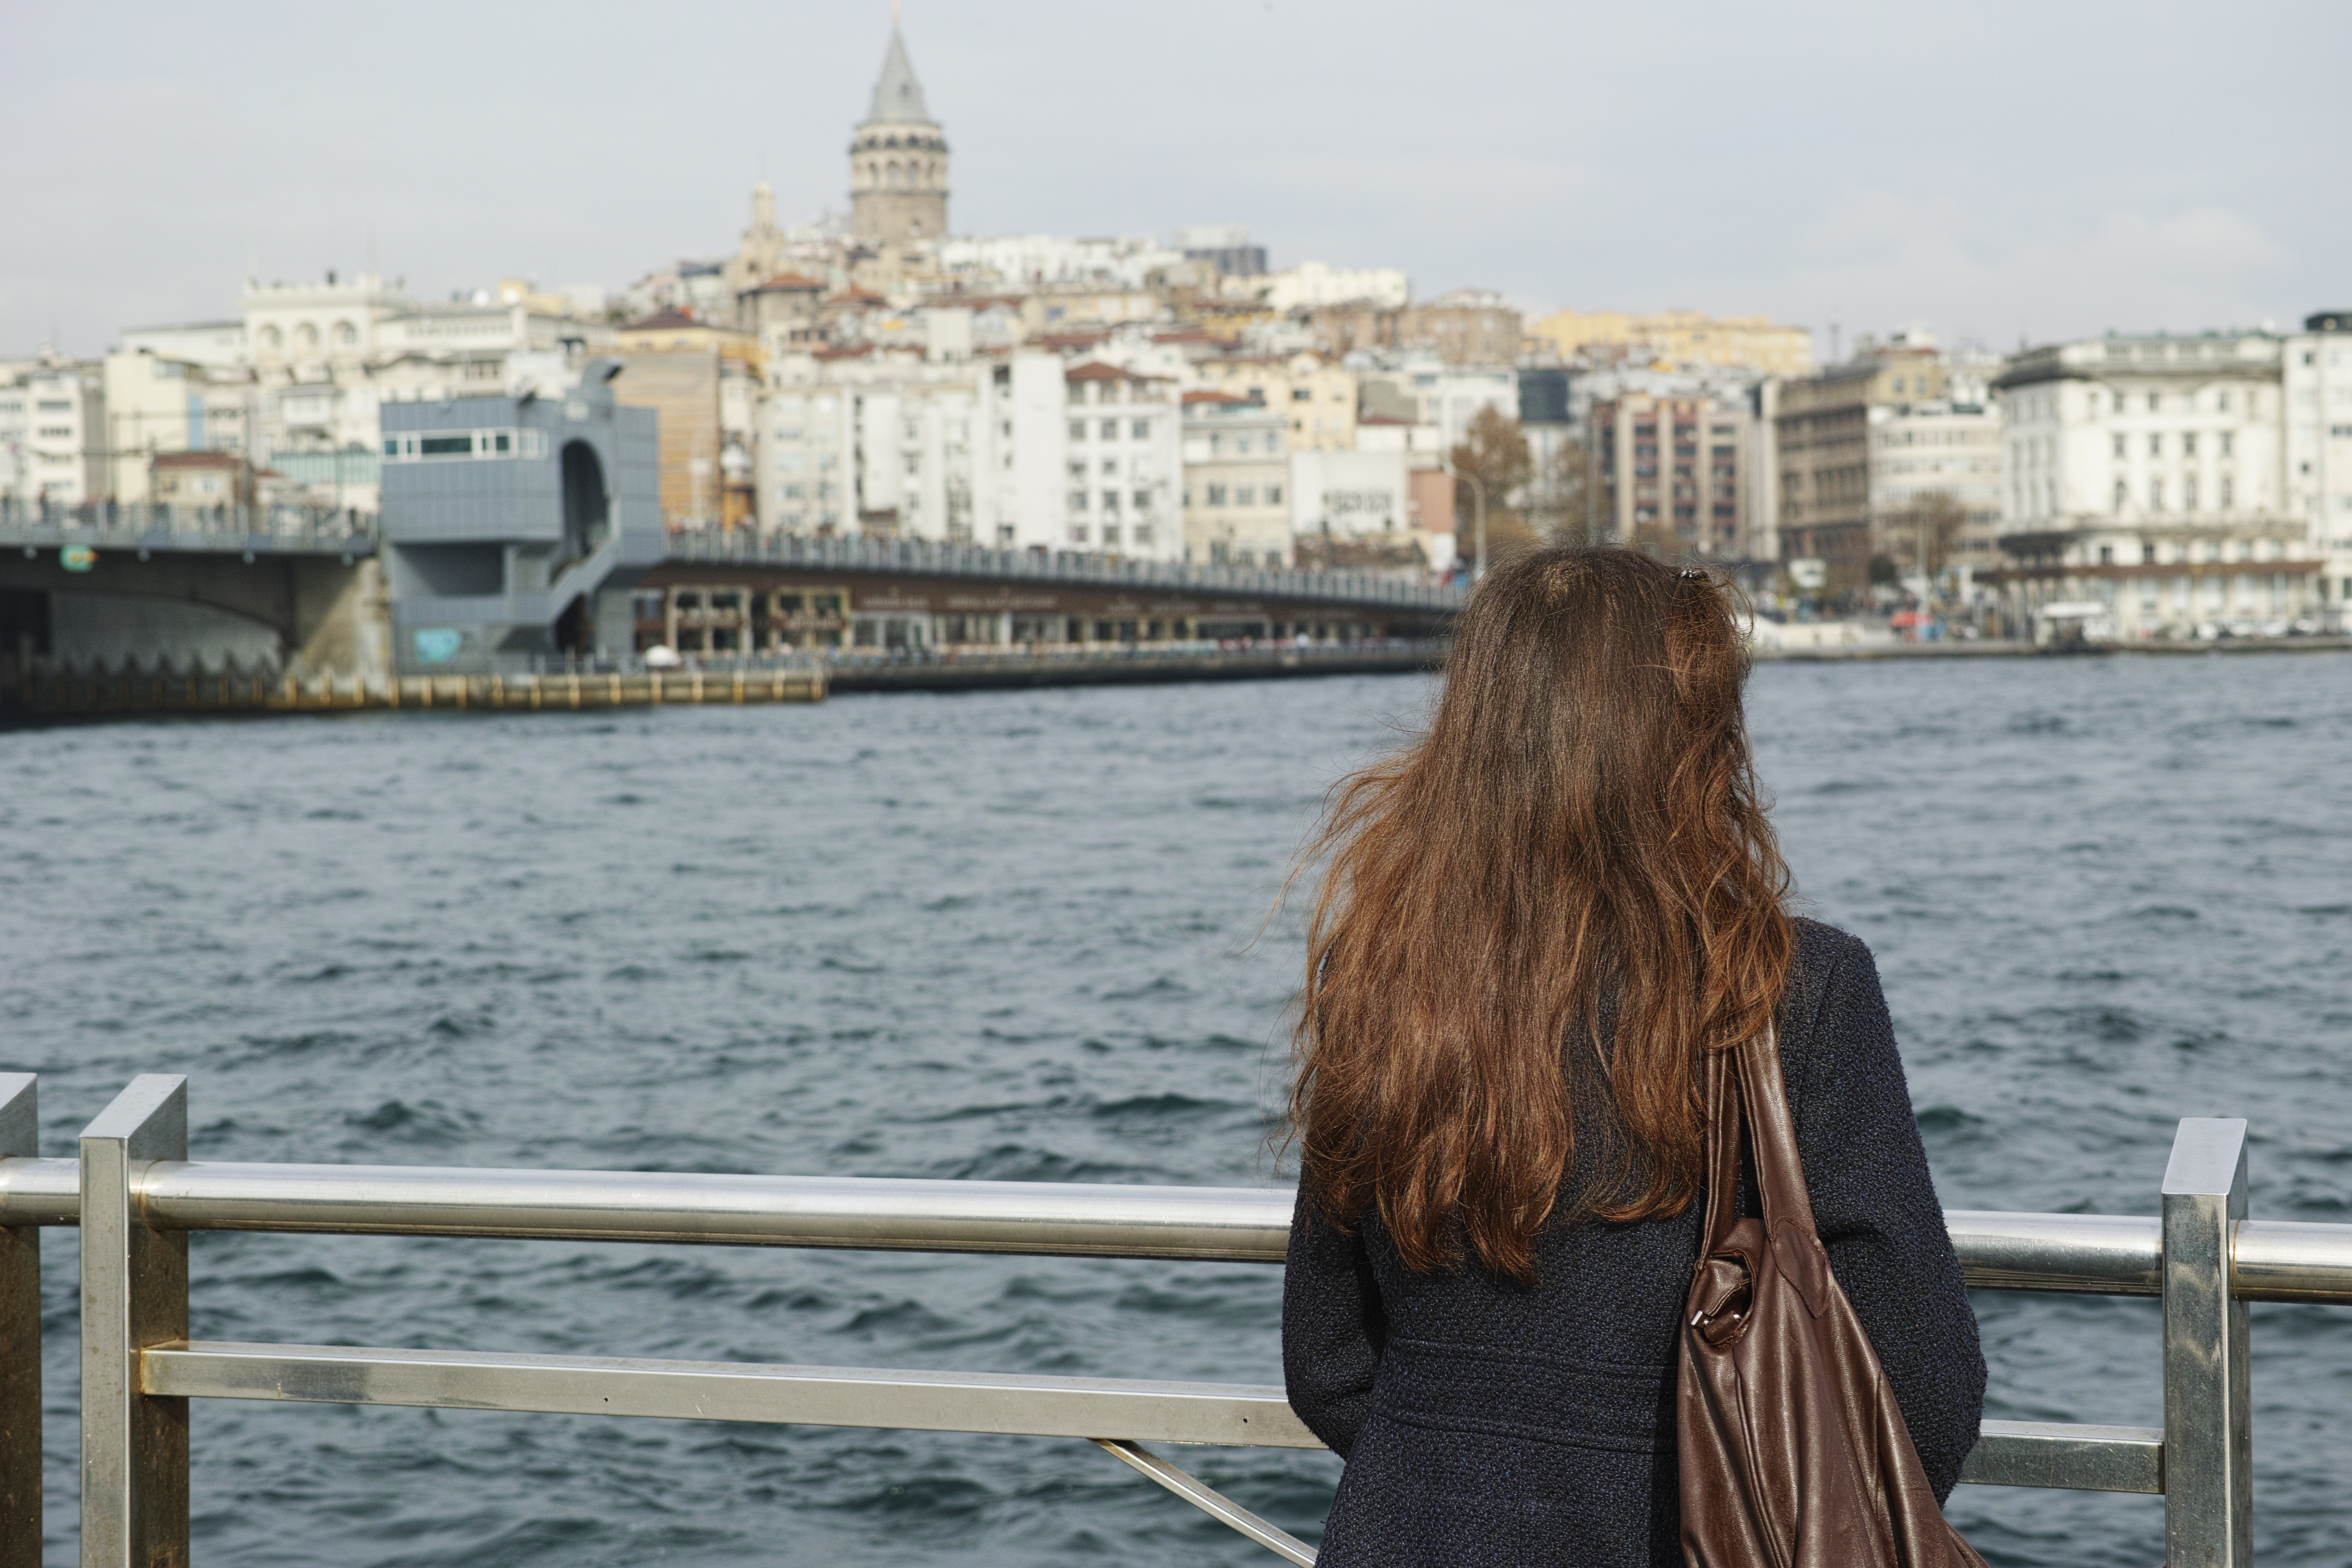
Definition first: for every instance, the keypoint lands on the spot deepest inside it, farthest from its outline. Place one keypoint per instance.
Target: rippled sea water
(1017, 935)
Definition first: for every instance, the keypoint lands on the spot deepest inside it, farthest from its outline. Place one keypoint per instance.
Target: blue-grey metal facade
(509, 522)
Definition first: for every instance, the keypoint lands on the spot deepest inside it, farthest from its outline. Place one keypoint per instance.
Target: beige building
(200, 481)
(1316, 395)
(156, 404)
(1823, 431)
(899, 161)
(1236, 478)
(1469, 326)
(1687, 338)
(702, 379)
(1675, 473)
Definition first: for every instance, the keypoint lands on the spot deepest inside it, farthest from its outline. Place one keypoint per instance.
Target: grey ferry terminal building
(514, 527)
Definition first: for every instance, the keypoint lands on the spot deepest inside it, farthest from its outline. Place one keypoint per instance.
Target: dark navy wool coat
(1488, 1423)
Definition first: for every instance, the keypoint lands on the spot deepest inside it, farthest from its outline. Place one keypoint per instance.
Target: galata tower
(899, 160)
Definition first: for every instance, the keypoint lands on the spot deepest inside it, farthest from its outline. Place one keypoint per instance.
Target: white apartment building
(1123, 462)
(1236, 481)
(1446, 397)
(1024, 452)
(2317, 372)
(1027, 260)
(2147, 472)
(53, 432)
(1949, 447)
(310, 363)
(1367, 497)
(1312, 283)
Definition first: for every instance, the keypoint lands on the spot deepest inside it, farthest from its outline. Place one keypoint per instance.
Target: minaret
(897, 159)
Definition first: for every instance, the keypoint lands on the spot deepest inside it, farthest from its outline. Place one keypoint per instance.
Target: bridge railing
(137, 1197)
(920, 556)
(152, 526)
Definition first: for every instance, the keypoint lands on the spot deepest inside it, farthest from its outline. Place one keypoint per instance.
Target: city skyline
(470, 145)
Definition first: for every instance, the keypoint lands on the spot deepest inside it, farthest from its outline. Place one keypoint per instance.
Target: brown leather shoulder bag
(1793, 1452)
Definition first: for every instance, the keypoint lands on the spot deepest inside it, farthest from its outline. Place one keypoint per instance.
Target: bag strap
(1719, 1087)
(1747, 1102)
(1772, 1132)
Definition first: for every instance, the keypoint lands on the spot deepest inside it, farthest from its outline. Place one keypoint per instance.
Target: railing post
(2209, 1484)
(134, 1293)
(20, 1342)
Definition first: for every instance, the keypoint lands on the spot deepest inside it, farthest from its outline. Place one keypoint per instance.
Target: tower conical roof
(898, 96)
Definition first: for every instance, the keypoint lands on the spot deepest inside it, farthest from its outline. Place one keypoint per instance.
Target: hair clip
(1690, 575)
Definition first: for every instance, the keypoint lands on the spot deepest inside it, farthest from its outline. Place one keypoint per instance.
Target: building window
(2189, 494)
(1273, 495)
(2156, 495)
(2106, 555)
(1245, 495)
(2228, 489)
(2123, 497)
(1143, 500)
(2221, 401)
(2227, 443)
(1143, 535)
(1111, 501)
(1077, 501)
(1216, 495)
(2154, 401)
(1110, 534)
(2155, 443)
(2189, 444)
(2120, 439)
(1109, 431)
(1141, 429)
(2148, 557)
(1078, 429)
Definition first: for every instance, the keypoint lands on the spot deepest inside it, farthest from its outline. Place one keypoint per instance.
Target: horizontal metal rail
(2113, 1255)
(2010, 1453)
(1131, 1410)
(743, 547)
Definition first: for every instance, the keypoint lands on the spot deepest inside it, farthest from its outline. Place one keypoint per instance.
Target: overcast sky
(2006, 169)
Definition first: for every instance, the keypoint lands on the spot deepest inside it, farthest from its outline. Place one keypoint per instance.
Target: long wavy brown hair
(1579, 831)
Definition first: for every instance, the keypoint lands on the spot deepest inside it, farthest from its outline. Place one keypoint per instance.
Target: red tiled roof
(197, 460)
(793, 281)
(669, 320)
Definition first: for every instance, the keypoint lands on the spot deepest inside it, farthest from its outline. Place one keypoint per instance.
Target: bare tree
(1566, 501)
(1496, 456)
(1920, 534)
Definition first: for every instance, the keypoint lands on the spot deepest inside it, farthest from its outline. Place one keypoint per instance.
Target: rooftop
(898, 96)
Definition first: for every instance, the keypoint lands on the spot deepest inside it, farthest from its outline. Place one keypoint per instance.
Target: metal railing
(137, 1197)
(147, 527)
(747, 547)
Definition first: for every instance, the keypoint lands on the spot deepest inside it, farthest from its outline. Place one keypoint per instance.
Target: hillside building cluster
(876, 373)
